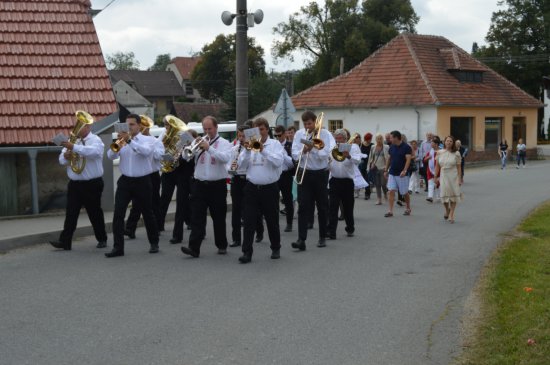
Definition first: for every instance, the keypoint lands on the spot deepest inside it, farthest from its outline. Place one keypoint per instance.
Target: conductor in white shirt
(341, 186)
(136, 164)
(261, 193)
(84, 189)
(209, 189)
(313, 190)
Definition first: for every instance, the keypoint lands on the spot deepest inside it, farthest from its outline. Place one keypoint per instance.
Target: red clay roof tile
(50, 66)
(415, 70)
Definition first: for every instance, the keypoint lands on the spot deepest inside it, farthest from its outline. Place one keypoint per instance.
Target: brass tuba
(174, 126)
(335, 152)
(78, 163)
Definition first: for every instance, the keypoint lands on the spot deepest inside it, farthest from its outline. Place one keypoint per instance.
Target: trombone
(317, 143)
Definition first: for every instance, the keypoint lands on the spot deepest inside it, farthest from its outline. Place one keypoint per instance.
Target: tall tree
(518, 42)
(162, 61)
(341, 29)
(122, 61)
(216, 69)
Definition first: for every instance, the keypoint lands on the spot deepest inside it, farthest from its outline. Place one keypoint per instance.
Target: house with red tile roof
(51, 65)
(419, 84)
(182, 68)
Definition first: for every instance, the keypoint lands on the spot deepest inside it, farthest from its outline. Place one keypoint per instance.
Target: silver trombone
(189, 152)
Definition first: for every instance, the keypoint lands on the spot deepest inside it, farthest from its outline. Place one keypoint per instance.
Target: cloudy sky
(182, 27)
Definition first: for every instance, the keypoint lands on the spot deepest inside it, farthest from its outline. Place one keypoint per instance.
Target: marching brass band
(261, 169)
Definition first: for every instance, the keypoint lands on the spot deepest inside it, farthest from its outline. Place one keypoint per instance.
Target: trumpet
(117, 145)
(317, 142)
(234, 164)
(189, 152)
(255, 145)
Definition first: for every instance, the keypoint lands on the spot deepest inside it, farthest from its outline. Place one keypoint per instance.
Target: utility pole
(244, 21)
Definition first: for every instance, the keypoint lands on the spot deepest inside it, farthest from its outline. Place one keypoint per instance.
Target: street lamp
(244, 20)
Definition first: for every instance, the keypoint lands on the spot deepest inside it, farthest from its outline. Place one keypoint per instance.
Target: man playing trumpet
(262, 159)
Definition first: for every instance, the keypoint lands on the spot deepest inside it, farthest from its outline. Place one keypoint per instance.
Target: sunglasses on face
(278, 135)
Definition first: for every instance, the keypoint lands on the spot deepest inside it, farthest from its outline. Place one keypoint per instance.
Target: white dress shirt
(263, 168)
(288, 164)
(136, 156)
(158, 152)
(318, 159)
(346, 169)
(211, 165)
(236, 150)
(92, 150)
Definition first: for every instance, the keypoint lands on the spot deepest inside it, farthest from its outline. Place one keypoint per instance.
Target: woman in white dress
(449, 177)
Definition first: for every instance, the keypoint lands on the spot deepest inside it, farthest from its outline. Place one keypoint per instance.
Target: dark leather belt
(262, 186)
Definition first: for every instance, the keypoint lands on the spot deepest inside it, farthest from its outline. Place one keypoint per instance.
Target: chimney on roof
(341, 65)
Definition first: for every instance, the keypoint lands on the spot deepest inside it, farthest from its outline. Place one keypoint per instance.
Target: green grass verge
(515, 300)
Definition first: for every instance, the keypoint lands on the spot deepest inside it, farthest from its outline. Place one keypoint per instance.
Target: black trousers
(341, 192)
(313, 191)
(135, 212)
(85, 194)
(169, 181)
(363, 171)
(208, 195)
(261, 200)
(285, 186)
(137, 190)
(238, 182)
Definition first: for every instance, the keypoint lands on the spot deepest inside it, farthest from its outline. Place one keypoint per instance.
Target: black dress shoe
(58, 244)
(245, 259)
(190, 252)
(341, 218)
(321, 243)
(276, 254)
(259, 238)
(367, 197)
(283, 212)
(299, 245)
(154, 249)
(222, 251)
(175, 241)
(350, 234)
(131, 235)
(331, 236)
(310, 226)
(288, 228)
(114, 253)
(101, 244)
(235, 244)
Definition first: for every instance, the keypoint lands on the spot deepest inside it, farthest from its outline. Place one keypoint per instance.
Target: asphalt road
(393, 294)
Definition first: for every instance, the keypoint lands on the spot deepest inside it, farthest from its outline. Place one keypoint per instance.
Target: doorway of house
(519, 129)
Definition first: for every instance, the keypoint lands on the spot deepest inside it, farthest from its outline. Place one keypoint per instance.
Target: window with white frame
(335, 124)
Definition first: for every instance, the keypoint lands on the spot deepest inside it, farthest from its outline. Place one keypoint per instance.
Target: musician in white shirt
(261, 193)
(341, 186)
(84, 189)
(313, 190)
(285, 181)
(209, 189)
(134, 184)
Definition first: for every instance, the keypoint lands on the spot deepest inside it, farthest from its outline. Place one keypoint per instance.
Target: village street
(393, 294)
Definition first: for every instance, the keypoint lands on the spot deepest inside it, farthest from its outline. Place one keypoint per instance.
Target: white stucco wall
(378, 120)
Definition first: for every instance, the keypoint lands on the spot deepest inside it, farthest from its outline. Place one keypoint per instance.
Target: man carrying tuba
(85, 181)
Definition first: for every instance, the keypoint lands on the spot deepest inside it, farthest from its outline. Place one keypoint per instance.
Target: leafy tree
(340, 28)
(162, 61)
(122, 61)
(519, 42)
(216, 69)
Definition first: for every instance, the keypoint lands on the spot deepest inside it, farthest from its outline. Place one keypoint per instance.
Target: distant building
(51, 65)
(182, 67)
(133, 101)
(419, 84)
(546, 83)
(161, 88)
(194, 112)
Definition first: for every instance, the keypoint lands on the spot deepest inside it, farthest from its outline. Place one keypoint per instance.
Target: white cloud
(153, 27)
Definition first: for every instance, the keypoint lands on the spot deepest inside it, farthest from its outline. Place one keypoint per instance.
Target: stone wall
(52, 180)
